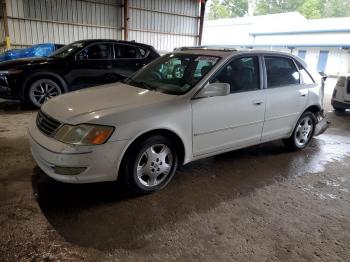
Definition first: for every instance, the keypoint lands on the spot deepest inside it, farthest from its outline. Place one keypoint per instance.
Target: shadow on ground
(105, 217)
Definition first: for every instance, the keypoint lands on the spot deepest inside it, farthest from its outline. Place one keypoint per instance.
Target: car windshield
(68, 49)
(173, 73)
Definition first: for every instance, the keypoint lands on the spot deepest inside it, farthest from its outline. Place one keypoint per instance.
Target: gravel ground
(257, 204)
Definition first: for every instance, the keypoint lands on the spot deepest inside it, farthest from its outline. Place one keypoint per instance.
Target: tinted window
(142, 52)
(97, 51)
(125, 51)
(242, 74)
(305, 75)
(281, 71)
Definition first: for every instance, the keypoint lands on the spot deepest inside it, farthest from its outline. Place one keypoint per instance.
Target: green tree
(311, 9)
(336, 8)
(236, 8)
(217, 11)
(277, 6)
(227, 9)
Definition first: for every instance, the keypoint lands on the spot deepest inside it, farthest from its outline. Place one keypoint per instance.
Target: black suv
(77, 65)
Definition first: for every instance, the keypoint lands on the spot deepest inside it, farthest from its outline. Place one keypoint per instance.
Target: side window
(307, 79)
(242, 74)
(96, 52)
(125, 51)
(281, 71)
(142, 52)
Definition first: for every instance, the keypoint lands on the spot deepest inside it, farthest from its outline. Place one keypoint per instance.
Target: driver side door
(236, 120)
(92, 66)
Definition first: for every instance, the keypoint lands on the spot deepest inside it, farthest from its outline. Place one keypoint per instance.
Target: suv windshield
(67, 50)
(173, 73)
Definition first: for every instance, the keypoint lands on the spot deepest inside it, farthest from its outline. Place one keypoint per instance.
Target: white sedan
(186, 105)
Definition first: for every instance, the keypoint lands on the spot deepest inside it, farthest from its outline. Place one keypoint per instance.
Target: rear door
(286, 97)
(127, 60)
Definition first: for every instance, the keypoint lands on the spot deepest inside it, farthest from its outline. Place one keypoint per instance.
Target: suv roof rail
(203, 47)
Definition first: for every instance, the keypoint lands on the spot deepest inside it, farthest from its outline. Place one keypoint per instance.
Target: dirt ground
(255, 204)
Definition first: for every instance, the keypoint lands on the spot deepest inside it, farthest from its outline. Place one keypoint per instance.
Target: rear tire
(303, 132)
(42, 90)
(338, 109)
(150, 165)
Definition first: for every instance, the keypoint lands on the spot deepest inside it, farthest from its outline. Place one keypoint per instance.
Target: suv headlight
(84, 134)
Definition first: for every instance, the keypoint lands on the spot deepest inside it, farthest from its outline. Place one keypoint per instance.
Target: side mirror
(323, 75)
(214, 89)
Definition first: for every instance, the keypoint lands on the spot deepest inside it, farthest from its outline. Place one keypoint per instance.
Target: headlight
(10, 72)
(84, 134)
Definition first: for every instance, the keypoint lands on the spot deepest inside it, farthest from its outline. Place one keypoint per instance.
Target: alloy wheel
(42, 91)
(154, 165)
(304, 131)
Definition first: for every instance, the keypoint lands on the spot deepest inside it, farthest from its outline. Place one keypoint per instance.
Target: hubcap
(304, 131)
(154, 165)
(44, 91)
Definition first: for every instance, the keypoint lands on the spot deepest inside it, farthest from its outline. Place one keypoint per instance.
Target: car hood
(16, 63)
(94, 105)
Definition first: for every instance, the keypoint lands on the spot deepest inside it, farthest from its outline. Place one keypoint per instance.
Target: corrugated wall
(63, 21)
(2, 30)
(164, 24)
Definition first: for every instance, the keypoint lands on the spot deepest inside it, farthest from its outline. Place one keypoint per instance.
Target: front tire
(150, 165)
(303, 132)
(42, 90)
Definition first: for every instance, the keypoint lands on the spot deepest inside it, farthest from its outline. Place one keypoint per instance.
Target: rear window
(142, 51)
(281, 71)
(307, 79)
(125, 51)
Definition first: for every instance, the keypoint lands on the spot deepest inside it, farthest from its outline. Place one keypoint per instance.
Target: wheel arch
(313, 109)
(37, 75)
(172, 135)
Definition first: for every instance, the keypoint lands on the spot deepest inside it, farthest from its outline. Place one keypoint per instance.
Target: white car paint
(341, 93)
(206, 126)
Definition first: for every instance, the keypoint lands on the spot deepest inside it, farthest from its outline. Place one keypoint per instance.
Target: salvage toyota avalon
(186, 105)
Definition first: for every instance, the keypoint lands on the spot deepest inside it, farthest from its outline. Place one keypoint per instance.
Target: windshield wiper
(140, 84)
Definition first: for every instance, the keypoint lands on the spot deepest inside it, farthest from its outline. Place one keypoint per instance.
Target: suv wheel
(42, 90)
(151, 165)
(302, 133)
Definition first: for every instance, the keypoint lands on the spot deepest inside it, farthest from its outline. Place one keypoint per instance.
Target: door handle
(303, 93)
(257, 102)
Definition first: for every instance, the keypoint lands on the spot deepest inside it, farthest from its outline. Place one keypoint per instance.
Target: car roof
(91, 41)
(224, 52)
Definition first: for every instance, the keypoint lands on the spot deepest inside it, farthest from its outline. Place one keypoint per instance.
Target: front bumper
(5, 91)
(98, 163)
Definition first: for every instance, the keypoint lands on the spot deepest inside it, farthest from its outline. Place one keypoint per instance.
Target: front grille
(348, 86)
(47, 124)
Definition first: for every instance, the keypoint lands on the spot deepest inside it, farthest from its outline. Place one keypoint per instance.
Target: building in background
(323, 43)
(163, 24)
